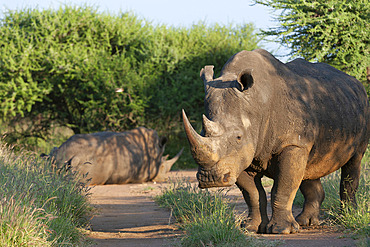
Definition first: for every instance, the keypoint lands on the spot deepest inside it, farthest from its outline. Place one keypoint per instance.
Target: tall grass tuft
(38, 204)
(21, 225)
(188, 203)
(356, 219)
(206, 218)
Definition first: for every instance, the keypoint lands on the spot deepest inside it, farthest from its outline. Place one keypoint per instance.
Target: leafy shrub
(65, 65)
(62, 68)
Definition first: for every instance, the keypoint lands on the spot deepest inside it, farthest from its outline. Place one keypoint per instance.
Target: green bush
(62, 68)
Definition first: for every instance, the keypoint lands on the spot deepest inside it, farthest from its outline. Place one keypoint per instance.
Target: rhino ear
(245, 79)
(207, 73)
(162, 141)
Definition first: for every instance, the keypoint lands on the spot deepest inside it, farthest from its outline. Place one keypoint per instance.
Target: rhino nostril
(226, 177)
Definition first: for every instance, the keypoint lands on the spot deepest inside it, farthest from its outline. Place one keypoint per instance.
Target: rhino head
(159, 165)
(228, 142)
(165, 166)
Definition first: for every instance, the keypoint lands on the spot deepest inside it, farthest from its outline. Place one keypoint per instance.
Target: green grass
(39, 206)
(355, 220)
(206, 218)
(21, 225)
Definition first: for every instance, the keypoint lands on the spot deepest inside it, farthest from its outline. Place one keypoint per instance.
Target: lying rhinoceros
(133, 156)
(294, 123)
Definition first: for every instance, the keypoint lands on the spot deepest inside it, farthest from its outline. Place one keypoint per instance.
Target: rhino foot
(305, 219)
(253, 226)
(280, 225)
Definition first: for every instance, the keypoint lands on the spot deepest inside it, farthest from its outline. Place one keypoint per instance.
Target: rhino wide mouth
(212, 178)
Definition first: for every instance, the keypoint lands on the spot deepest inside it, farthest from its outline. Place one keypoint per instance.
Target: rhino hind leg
(255, 196)
(350, 177)
(313, 197)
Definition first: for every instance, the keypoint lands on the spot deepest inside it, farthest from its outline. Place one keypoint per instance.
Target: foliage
(38, 206)
(62, 68)
(206, 218)
(331, 31)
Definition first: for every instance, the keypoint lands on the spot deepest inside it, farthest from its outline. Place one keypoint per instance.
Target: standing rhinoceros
(294, 123)
(133, 156)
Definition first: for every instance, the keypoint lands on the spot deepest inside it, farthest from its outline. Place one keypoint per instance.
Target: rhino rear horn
(212, 128)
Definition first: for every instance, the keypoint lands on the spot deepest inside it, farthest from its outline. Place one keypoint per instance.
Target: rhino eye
(239, 138)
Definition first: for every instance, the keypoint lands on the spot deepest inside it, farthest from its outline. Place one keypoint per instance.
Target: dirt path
(128, 216)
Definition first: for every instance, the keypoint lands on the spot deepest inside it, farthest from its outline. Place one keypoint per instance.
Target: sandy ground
(128, 216)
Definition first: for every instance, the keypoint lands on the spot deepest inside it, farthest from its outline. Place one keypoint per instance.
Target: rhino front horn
(202, 148)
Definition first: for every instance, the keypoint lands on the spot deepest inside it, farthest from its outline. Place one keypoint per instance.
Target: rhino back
(332, 110)
(131, 159)
(108, 157)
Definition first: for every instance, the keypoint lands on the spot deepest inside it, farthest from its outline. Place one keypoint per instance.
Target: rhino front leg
(255, 196)
(313, 197)
(288, 172)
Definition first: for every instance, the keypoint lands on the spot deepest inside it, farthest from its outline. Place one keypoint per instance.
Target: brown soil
(128, 216)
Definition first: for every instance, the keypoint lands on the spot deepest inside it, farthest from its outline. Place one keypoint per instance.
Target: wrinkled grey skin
(133, 156)
(294, 123)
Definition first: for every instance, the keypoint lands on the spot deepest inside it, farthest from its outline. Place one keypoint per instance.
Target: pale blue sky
(173, 12)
